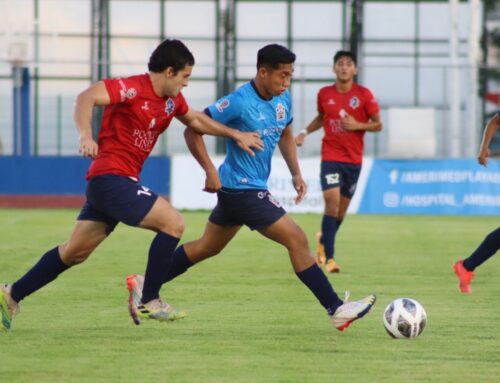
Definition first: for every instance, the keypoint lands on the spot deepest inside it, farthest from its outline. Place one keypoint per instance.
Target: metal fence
(404, 60)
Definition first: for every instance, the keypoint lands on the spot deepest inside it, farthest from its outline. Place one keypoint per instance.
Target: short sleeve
(227, 108)
(122, 89)
(181, 105)
(318, 103)
(371, 103)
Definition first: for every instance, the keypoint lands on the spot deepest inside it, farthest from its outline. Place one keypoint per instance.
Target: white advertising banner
(188, 180)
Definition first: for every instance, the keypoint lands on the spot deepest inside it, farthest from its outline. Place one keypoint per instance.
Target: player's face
(345, 69)
(278, 80)
(175, 82)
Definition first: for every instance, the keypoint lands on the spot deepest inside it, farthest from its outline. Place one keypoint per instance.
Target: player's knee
(298, 242)
(178, 226)
(72, 256)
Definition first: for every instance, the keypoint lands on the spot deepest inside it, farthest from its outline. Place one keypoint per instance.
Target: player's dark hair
(170, 53)
(349, 54)
(273, 55)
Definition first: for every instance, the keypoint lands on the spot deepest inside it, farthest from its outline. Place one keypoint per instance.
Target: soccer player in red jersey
(137, 110)
(464, 269)
(346, 110)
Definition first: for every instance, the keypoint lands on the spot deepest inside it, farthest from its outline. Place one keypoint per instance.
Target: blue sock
(45, 271)
(328, 231)
(319, 285)
(160, 256)
(486, 249)
(180, 263)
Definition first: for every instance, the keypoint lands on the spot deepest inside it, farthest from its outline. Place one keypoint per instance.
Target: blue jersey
(247, 111)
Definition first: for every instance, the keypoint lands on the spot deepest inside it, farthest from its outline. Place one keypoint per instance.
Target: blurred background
(434, 66)
(439, 60)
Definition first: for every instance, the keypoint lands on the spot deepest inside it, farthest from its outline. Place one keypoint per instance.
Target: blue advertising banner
(460, 187)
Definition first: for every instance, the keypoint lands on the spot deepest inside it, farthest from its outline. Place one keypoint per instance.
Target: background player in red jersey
(346, 111)
(138, 109)
(464, 269)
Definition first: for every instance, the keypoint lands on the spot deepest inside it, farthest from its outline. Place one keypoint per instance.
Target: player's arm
(315, 124)
(489, 132)
(94, 95)
(202, 124)
(289, 153)
(197, 147)
(373, 125)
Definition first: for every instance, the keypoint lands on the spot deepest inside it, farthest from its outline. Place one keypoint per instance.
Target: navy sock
(328, 231)
(180, 263)
(319, 285)
(160, 256)
(339, 222)
(45, 271)
(486, 249)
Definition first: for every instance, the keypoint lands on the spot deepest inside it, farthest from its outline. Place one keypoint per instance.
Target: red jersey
(131, 125)
(339, 144)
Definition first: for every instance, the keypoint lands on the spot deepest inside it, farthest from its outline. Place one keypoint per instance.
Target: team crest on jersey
(169, 106)
(354, 102)
(280, 112)
(221, 105)
(127, 94)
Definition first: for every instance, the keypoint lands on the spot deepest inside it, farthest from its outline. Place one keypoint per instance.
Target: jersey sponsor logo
(280, 112)
(221, 105)
(127, 94)
(145, 140)
(169, 106)
(335, 126)
(271, 130)
(354, 102)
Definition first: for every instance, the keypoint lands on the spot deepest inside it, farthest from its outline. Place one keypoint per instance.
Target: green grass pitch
(250, 319)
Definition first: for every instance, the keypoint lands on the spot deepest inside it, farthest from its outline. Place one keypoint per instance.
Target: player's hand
(212, 181)
(482, 157)
(299, 139)
(301, 187)
(248, 140)
(349, 123)
(88, 147)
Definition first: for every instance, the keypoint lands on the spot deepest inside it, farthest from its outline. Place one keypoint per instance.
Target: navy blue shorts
(112, 199)
(255, 208)
(335, 174)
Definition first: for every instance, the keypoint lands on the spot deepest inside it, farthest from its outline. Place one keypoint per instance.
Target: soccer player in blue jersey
(464, 269)
(262, 105)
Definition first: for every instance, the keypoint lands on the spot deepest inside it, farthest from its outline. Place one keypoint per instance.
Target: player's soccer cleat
(135, 284)
(332, 266)
(464, 277)
(8, 307)
(159, 310)
(154, 309)
(320, 251)
(351, 311)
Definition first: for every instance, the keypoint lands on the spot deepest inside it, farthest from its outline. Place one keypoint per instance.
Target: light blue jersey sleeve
(227, 109)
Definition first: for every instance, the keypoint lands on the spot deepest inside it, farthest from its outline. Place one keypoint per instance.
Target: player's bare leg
(342, 314)
(85, 237)
(144, 301)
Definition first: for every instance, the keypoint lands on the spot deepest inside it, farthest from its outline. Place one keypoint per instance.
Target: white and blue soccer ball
(404, 318)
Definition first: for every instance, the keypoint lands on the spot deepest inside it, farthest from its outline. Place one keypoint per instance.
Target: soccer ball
(404, 318)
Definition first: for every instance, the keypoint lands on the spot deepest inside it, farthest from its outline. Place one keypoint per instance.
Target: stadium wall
(451, 187)
(60, 181)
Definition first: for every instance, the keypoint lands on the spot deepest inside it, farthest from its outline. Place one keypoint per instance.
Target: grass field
(250, 319)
